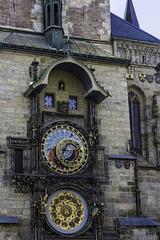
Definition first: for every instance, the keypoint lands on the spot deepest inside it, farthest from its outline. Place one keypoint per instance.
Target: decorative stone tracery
(139, 53)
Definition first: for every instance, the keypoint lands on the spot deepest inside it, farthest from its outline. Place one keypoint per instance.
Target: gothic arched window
(134, 113)
(56, 14)
(48, 16)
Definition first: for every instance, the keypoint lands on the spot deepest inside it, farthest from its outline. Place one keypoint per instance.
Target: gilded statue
(43, 204)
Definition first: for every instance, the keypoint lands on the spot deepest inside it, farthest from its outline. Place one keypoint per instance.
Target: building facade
(80, 120)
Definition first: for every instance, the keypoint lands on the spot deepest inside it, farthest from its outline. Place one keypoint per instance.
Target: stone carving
(150, 78)
(17, 142)
(127, 164)
(118, 163)
(33, 70)
(157, 78)
(36, 132)
(98, 219)
(129, 73)
(157, 68)
(156, 106)
(157, 75)
(94, 137)
(139, 53)
(21, 183)
(36, 207)
(43, 204)
(61, 86)
(63, 107)
(156, 131)
(142, 77)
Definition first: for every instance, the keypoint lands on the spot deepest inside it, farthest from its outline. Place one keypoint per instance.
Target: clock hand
(64, 149)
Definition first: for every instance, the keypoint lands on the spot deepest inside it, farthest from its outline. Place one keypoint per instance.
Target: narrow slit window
(18, 161)
(134, 113)
(48, 16)
(56, 15)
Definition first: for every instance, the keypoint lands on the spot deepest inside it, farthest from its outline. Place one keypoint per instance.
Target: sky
(148, 13)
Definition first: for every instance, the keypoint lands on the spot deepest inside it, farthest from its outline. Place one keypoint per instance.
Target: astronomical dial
(64, 149)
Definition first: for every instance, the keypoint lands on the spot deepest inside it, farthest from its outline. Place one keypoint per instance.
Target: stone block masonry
(88, 19)
(84, 19)
(22, 14)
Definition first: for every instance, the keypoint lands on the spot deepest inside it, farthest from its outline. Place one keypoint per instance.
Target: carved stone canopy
(92, 88)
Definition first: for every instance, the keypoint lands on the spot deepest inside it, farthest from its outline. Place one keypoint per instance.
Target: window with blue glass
(134, 113)
(49, 100)
(72, 103)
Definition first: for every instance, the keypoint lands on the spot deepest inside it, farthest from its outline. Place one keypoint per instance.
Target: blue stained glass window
(134, 112)
(72, 103)
(49, 100)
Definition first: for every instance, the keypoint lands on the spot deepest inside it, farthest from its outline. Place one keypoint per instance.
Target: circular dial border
(64, 149)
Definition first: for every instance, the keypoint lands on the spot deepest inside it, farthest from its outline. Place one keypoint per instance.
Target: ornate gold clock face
(67, 211)
(64, 149)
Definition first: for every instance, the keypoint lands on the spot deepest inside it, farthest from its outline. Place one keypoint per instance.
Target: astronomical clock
(61, 171)
(65, 157)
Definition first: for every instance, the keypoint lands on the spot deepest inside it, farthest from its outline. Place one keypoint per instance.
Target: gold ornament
(66, 210)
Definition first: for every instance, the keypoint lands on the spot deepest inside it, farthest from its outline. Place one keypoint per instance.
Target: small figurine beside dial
(64, 149)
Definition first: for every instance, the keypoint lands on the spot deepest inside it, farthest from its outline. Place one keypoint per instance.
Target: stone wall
(119, 194)
(14, 114)
(150, 188)
(87, 18)
(22, 14)
(142, 233)
(113, 117)
(80, 18)
(9, 232)
(145, 91)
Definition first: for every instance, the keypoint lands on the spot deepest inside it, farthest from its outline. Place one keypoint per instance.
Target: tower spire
(130, 14)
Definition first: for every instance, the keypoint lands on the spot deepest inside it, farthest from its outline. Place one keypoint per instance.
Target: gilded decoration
(66, 210)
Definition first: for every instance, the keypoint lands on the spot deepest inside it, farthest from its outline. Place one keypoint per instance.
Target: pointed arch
(56, 14)
(48, 16)
(136, 101)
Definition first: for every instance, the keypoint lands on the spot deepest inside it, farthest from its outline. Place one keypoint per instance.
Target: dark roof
(130, 14)
(39, 41)
(122, 29)
(36, 43)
